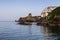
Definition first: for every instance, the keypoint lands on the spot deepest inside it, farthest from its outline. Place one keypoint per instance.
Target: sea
(14, 31)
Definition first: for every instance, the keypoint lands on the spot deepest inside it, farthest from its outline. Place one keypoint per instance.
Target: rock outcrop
(29, 18)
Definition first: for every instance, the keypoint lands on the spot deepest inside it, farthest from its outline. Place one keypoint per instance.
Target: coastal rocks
(45, 15)
(25, 23)
(52, 19)
(29, 18)
(42, 21)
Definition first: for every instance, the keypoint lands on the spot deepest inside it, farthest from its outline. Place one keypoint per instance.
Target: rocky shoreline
(51, 17)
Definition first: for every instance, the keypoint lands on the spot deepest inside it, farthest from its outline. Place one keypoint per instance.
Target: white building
(46, 10)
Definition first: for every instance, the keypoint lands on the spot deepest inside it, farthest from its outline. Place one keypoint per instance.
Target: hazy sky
(13, 9)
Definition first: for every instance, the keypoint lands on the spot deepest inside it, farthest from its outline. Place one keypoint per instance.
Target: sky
(14, 9)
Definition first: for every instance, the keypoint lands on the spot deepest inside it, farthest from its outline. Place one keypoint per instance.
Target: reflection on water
(53, 33)
(13, 31)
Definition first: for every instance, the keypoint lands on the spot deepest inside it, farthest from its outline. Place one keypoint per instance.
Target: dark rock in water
(30, 21)
(16, 21)
(25, 23)
(38, 23)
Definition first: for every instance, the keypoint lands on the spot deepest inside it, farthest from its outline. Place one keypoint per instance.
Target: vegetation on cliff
(54, 16)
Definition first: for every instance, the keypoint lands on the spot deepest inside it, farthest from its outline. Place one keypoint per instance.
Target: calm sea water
(14, 31)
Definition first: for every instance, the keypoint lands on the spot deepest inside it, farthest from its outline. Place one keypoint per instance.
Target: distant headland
(49, 16)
